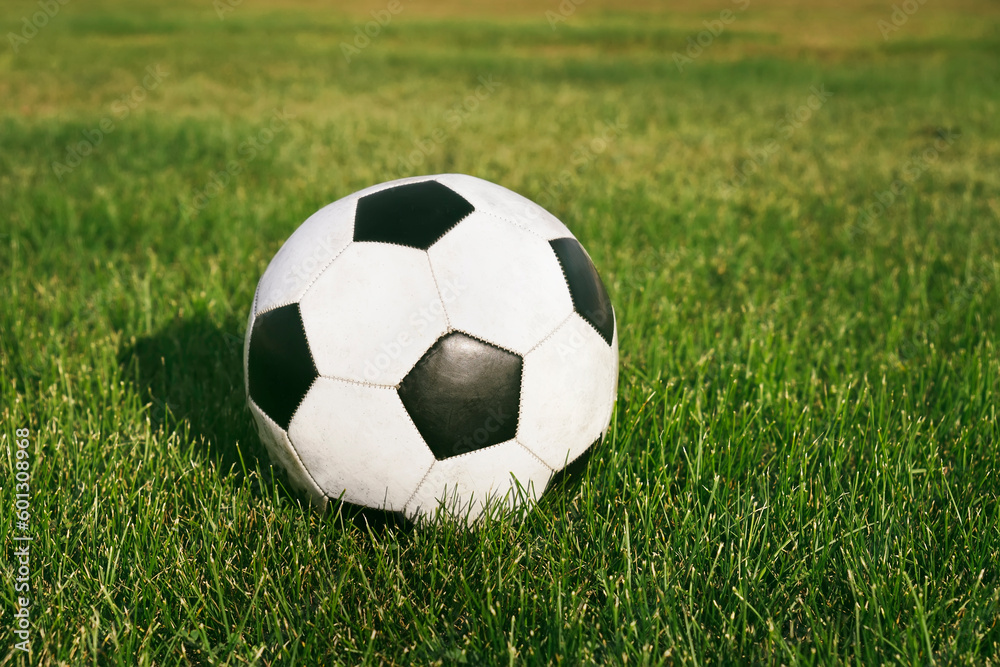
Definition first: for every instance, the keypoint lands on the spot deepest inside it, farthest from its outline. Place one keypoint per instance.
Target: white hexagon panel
(462, 485)
(501, 202)
(566, 405)
(359, 445)
(280, 449)
(508, 288)
(305, 255)
(373, 313)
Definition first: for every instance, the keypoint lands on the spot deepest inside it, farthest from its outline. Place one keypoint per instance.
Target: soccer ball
(431, 342)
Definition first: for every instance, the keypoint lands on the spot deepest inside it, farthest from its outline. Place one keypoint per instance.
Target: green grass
(802, 466)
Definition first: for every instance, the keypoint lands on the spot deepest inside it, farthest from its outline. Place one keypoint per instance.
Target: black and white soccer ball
(437, 341)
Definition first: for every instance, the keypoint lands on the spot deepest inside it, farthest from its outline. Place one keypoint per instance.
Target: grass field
(799, 228)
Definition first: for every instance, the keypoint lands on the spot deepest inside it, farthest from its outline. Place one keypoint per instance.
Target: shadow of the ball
(191, 374)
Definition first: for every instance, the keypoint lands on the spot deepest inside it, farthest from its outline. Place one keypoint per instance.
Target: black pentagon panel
(415, 215)
(280, 365)
(463, 395)
(590, 298)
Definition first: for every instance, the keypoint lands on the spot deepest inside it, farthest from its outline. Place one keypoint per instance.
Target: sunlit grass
(803, 461)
